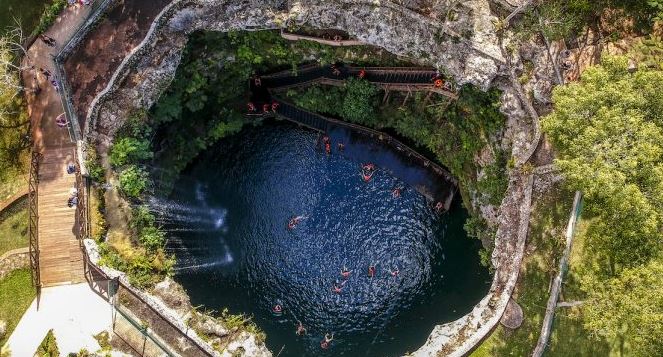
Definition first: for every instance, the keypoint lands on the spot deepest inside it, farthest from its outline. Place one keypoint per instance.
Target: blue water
(227, 219)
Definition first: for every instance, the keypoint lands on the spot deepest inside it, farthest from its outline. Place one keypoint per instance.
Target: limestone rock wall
(462, 43)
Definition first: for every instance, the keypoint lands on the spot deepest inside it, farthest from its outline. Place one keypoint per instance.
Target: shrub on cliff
(130, 150)
(133, 181)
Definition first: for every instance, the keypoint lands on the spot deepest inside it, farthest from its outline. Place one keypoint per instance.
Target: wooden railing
(33, 218)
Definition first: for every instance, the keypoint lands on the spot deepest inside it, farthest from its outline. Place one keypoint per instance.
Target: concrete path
(74, 312)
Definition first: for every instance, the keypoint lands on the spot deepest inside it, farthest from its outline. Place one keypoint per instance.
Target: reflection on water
(227, 224)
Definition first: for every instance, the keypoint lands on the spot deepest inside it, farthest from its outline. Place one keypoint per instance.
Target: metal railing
(160, 324)
(304, 117)
(33, 218)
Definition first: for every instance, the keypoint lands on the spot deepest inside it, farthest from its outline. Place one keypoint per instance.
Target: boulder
(513, 315)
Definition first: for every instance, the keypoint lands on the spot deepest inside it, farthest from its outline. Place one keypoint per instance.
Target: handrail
(90, 269)
(372, 132)
(33, 218)
(313, 73)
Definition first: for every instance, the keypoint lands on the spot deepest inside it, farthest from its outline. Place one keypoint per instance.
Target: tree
(608, 129)
(359, 103)
(630, 306)
(14, 121)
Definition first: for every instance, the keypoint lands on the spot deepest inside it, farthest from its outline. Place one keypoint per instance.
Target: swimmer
(367, 171)
(275, 105)
(277, 309)
(362, 73)
(301, 330)
(324, 344)
(337, 288)
(265, 108)
(345, 273)
(295, 221)
(396, 192)
(327, 148)
(371, 271)
(394, 272)
(251, 107)
(439, 206)
(341, 147)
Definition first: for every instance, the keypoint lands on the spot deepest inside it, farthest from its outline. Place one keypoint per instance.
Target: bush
(48, 347)
(359, 103)
(133, 181)
(130, 151)
(152, 238)
(50, 14)
(141, 219)
(93, 164)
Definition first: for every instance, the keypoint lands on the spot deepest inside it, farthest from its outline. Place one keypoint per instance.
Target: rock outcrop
(463, 43)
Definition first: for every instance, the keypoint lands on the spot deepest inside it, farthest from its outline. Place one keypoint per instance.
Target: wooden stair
(60, 256)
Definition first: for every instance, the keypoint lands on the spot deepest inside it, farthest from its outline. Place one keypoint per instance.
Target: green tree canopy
(608, 129)
(630, 305)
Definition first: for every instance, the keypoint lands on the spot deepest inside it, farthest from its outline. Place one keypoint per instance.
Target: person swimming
(328, 148)
(394, 272)
(295, 221)
(345, 273)
(367, 171)
(324, 344)
(277, 309)
(439, 206)
(337, 288)
(396, 192)
(301, 330)
(371, 271)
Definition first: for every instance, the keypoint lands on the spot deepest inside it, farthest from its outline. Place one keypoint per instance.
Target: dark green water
(26, 11)
(227, 222)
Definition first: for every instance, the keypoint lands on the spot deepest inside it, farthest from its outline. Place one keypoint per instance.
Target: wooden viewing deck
(60, 256)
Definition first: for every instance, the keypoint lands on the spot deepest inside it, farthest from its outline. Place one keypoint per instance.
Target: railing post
(33, 219)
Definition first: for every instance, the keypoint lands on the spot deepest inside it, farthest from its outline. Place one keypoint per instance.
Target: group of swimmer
(337, 288)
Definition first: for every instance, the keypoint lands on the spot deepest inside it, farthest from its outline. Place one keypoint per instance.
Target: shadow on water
(227, 224)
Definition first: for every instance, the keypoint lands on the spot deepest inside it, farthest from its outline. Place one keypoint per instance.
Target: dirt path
(91, 65)
(45, 106)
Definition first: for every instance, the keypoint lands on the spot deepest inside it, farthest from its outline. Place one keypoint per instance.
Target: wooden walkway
(61, 258)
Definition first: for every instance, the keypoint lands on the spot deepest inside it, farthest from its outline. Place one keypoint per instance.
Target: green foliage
(93, 164)
(130, 150)
(14, 120)
(609, 132)
(48, 347)
(16, 295)
(630, 306)
(50, 14)
(360, 101)
(144, 268)
(152, 238)
(133, 181)
(141, 218)
(321, 99)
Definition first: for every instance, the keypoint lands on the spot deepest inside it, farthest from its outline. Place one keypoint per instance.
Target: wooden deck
(60, 256)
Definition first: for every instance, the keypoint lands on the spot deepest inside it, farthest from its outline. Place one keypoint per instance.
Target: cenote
(226, 221)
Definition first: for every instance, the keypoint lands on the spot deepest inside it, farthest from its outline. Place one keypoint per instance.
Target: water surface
(227, 221)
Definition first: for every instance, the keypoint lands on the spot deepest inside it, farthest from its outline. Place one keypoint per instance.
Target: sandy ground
(74, 312)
